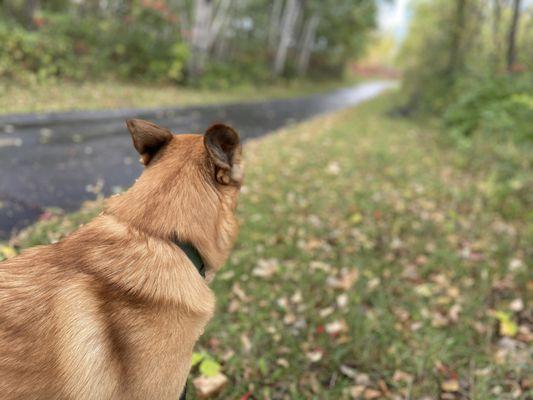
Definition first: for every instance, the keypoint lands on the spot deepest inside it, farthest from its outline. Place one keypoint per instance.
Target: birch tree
(290, 16)
(307, 43)
(207, 23)
(275, 23)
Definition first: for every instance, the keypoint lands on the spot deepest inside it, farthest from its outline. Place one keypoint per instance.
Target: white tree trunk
(307, 43)
(206, 28)
(290, 15)
(203, 11)
(275, 22)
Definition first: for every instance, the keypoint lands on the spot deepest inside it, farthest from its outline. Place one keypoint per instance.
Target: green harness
(194, 256)
(197, 261)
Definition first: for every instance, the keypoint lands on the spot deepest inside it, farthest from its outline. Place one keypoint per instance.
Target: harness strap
(194, 256)
(197, 261)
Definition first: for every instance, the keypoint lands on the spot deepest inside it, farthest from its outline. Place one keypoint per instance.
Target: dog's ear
(148, 138)
(224, 147)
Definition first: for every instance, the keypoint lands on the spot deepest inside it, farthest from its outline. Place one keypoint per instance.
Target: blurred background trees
(470, 62)
(204, 42)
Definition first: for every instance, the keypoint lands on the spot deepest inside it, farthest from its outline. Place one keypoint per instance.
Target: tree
(207, 24)
(290, 16)
(511, 47)
(307, 43)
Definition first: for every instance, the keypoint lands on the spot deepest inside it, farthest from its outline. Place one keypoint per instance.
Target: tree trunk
(30, 6)
(513, 29)
(290, 16)
(307, 44)
(184, 19)
(275, 18)
(455, 59)
(496, 21)
(219, 20)
(203, 10)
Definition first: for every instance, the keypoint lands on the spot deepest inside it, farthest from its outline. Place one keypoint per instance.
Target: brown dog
(113, 310)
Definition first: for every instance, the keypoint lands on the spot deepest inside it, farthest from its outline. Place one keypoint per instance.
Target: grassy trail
(374, 261)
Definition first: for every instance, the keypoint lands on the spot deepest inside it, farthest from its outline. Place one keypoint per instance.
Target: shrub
(145, 46)
(500, 106)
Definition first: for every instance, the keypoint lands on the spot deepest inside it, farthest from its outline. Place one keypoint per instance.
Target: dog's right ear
(148, 138)
(224, 147)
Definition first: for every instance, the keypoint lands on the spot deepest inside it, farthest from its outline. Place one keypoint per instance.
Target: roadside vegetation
(66, 96)
(376, 259)
(75, 54)
(470, 63)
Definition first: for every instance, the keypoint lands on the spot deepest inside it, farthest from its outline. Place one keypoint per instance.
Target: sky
(394, 17)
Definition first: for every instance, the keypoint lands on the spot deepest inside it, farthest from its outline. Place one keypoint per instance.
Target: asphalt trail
(63, 159)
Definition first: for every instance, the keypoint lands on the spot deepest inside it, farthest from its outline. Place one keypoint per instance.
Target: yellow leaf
(8, 251)
(507, 326)
(451, 385)
(356, 218)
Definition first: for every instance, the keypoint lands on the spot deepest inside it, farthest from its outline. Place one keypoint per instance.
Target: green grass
(54, 96)
(399, 244)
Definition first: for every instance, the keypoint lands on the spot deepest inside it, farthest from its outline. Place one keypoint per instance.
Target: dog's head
(188, 189)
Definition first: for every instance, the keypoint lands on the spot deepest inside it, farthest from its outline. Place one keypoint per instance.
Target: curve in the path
(62, 159)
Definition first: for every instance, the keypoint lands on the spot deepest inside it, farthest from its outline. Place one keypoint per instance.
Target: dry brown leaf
(336, 327)
(209, 386)
(237, 290)
(246, 344)
(370, 394)
(266, 268)
(356, 391)
(315, 355)
(450, 385)
(401, 376)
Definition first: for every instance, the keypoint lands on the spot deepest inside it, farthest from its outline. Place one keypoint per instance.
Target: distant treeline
(210, 42)
(470, 62)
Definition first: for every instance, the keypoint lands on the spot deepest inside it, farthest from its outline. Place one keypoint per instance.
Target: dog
(114, 310)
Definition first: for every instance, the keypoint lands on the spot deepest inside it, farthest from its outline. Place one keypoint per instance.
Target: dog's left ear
(148, 138)
(224, 147)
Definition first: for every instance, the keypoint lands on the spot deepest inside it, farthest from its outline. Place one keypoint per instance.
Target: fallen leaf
(8, 251)
(265, 268)
(349, 371)
(208, 386)
(356, 391)
(315, 355)
(209, 367)
(333, 168)
(450, 385)
(370, 394)
(246, 344)
(336, 327)
(402, 376)
(507, 326)
(196, 358)
(342, 300)
(516, 305)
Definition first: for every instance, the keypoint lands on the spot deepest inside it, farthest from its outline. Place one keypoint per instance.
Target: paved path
(62, 159)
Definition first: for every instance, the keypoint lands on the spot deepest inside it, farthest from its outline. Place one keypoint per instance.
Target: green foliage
(152, 40)
(143, 45)
(500, 106)
(25, 51)
(344, 27)
(224, 75)
(454, 67)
